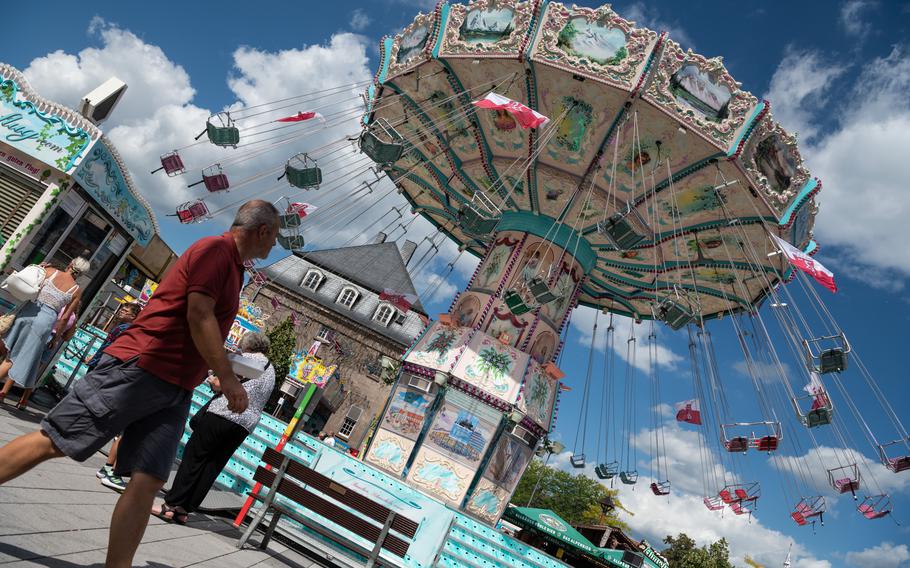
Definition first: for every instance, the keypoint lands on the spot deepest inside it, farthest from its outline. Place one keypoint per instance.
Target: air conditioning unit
(419, 383)
(525, 435)
(98, 105)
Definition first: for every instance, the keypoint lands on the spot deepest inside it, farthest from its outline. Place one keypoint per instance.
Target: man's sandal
(170, 514)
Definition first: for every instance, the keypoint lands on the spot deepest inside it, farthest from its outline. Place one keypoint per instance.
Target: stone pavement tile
(23, 495)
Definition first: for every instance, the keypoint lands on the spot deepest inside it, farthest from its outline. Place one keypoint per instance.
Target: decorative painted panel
(102, 175)
(501, 477)
(595, 42)
(389, 451)
(538, 395)
(460, 433)
(493, 268)
(439, 347)
(772, 159)
(701, 94)
(407, 411)
(486, 27)
(492, 366)
(440, 476)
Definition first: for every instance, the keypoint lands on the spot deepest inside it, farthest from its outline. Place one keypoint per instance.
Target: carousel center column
(477, 390)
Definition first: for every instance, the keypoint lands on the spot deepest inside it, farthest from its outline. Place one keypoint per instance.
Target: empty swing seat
(291, 242)
(739, 509)
(870, 513)
(846, 485)
(541, 291)
(289, 221)
(713, 503)
(799, 518)
(619, 230)
(767, 443)
(818, 417)
(742, 495)
(192, 211)
(475, 222)
(172, 164)
(832, 360)
(662, 488)
(727, 496)
(674, 314)
(382, 143)
(223, 135)
(302, 172)
(628, 477)
(515, 303)
(898, 465)
(216, 182)
(577, 460)
(606, 471)
(738, 444)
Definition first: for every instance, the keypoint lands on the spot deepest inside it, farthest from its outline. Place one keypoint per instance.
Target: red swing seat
(846, 485)
(871, 513)
(739, 509)
(766, 443)
(899, 464)
(738, 444)
(875, 507)
(714, 503)
(662, 488)
(726, 496)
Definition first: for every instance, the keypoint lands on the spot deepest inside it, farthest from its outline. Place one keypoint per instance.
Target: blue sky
(836, 72)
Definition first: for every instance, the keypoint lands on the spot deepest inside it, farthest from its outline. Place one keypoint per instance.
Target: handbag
(6, 322)
(25, 284)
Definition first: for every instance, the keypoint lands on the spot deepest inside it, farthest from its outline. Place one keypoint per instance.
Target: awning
(551, 524)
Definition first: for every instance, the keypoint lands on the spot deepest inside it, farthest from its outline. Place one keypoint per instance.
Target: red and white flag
(302, 209)
(314, 348)
(806, 263)
(817, 390)
(525, 116)
(299, 117)
(688, 411)
(401, 301)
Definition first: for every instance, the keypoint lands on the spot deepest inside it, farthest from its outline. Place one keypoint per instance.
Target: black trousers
(207, 451)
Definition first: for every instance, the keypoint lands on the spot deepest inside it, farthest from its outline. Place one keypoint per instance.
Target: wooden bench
(319, 494)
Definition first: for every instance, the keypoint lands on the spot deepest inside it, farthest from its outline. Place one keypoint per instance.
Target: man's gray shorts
(120, 397)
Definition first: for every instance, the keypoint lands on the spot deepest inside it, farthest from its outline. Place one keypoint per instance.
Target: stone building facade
(337, 294)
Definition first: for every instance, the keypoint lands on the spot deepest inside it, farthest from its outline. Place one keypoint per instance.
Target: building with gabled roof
(336, 294)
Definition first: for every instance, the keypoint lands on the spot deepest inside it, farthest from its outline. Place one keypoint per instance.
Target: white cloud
(359, 20)
(798, 90)
(861, 161)
(885, 555)
(646, 15)
(583, 322)
(814, 464)
(851, 20)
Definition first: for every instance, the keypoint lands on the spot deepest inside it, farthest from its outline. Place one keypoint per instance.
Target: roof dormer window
(347, 297)
(313, 279)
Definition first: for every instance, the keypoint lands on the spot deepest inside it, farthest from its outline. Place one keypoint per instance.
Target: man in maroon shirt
(143, 384)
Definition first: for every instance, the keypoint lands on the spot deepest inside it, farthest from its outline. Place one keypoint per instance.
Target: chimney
(379, 238)
(407, 251)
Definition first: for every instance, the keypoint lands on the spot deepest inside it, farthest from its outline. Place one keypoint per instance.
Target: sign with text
(44, 136)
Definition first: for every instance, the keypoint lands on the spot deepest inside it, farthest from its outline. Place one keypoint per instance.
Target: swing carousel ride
(584, 161)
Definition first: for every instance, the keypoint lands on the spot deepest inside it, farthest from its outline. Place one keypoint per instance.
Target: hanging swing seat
(192, 211)
(661, 488)
(629, 477)
(766, 443)
(714, 503)
(302, 172)
(739, 509)
(818, 417)
(289, 221)
(172, 164)
(809, 508)
(737, 444)
(827, 354)
(606, 470)
(221, 130)
(541, 290)
(577, 460)
(820, 412)
(479, 216)
(875, 507)
(620, 231)
(381, 142)
(740, 493)
(845, 479)
(896, 464)
(515, 303)
(677, 310)
(291, 242)
(214, 179)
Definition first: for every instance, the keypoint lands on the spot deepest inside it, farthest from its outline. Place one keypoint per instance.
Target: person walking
(216, 437)
(123, 317)
(36, 324)
(143, 384)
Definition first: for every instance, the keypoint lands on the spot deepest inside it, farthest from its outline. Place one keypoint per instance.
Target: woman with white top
(217, 436)
(36, 324)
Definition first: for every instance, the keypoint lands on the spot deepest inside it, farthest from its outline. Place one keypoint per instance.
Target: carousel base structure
(445, 537)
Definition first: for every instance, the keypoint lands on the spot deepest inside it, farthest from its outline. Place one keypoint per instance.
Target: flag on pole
(525, 116)
(688, 411)
(299, 117)
(401, 301)
(806, 263)
(302, 209)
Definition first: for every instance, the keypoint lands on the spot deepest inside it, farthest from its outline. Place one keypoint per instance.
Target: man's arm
(206, 334)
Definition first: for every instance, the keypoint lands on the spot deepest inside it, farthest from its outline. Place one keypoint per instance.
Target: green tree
(575, 498)
(283, 338)
(683, 553)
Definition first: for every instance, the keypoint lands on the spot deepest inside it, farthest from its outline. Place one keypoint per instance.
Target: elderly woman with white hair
(36, 324)
(217, 434)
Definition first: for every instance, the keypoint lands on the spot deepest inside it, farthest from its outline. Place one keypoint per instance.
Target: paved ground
(57, 516)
